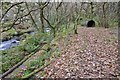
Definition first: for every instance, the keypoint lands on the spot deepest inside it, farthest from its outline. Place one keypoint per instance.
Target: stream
(15, 41)
(12, 42)
(8, 44)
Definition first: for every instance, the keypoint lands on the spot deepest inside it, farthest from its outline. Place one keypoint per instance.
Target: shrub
(10, 57)
(31, 44)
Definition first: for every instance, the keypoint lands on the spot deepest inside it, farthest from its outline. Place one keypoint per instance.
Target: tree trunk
(75, 28)
(33, 21)
(105, 22)
(42, 21)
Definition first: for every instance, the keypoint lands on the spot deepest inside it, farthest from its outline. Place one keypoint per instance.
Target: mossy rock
(7, 35)
(6, 24)
(54, 43)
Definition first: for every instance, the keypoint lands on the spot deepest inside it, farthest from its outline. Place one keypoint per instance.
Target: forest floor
(92, 53)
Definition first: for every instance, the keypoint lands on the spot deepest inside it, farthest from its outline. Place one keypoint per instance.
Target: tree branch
(9, 9)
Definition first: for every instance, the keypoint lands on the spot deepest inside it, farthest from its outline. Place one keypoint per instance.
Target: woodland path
(92, 53)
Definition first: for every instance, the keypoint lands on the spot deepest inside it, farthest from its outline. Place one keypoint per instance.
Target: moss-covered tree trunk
(41, 19)
(105, 21)
(31, 17)
(75, 28)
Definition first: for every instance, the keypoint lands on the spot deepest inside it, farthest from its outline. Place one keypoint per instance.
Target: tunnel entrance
(91, 23)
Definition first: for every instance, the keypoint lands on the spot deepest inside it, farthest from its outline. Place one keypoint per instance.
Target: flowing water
(9, 44)
(15, 42)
